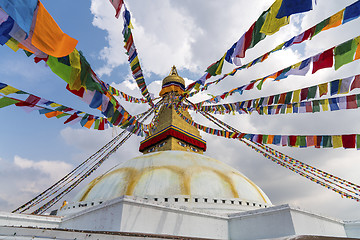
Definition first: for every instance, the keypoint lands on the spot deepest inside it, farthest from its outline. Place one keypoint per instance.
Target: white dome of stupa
(173, 173)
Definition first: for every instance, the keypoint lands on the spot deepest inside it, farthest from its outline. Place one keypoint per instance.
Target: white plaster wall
(25, 220)
(127, 215)
(103, 217)
(272, 222)
(159, 220)
(352, 229)
(313, 224)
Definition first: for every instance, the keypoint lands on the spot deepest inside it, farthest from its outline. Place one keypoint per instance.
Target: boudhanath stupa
(174, 191)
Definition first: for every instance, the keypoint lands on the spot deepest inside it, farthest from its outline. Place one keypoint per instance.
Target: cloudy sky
(36, 151)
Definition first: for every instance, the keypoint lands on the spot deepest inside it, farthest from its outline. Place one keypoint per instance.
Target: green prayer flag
(327, 143)
(320, 26)
(316, 106)
(358, 141)
(5, 101)
(257, 36)
(288, 97)
(344, 53)
(60, 69)
(264, 139)
(62, 115)
(276, 98)
(97, 123)
(283, 109)
(312, 92)
(85, 76)
(302, 140)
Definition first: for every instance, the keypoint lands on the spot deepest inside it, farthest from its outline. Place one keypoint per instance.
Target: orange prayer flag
(357, 53)
(270, 139)
(335, 20)
(53, 114)
(89, 123)
(49, 38)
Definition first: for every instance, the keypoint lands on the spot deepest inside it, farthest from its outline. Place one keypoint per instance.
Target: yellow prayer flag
(221, 64)
(325, 104)
(289, 108)
(13, 44)
(273, 24)
(335, 20)
(296, 96)
(55, 105)
(8, 90)
(134, 61)
(323, 89)
(337, 141)
(266, 110)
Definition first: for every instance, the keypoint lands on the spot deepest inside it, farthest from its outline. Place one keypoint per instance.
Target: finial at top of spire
(173, 71)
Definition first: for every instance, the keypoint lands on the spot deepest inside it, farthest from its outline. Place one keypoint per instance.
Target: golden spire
(171, 131)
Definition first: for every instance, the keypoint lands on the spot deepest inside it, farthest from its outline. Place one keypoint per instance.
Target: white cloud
(54, 169)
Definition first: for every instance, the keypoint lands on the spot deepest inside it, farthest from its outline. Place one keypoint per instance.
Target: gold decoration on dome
(172, 83)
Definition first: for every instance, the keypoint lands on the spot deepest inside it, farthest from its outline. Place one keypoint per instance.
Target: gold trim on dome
(173, 77)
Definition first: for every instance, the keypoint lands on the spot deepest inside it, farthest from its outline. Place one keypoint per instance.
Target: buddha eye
(161, 144)
(151, 150)
(182, 144)
(194, 149)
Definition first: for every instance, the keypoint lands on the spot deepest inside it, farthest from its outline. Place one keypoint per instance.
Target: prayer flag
(117, 5)
(323, 89)
(22, 11)
(48, 37)
(337, 141)
(344, 53)
(335, 20)
(5, 29)
(272, 24)
(352, 12)
(323, 60)
(355, 83)
(349, 140)
(320, 26)
(289, 7)
(257, 36)
(216, 68)
(5, 101)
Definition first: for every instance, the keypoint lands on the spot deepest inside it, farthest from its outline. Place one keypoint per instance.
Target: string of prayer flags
(319, 61)
(346, 141)
(339, 86)
(268, 23)
(236, 52)
(133, 57)
(73, 115)
(117, 4)
(116, 115)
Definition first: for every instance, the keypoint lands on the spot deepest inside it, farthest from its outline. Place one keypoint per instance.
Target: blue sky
(35, 151)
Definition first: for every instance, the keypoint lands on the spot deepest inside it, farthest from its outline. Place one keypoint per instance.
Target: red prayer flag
(248, 37)
(323, 60)
(71, 118)
(31, 101)
(351, 102)
(355, 83)
(304, 93)
(349, 141)
(117, 5)
(292, 140)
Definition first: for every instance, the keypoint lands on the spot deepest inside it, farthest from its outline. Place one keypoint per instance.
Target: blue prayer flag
(289, 7)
